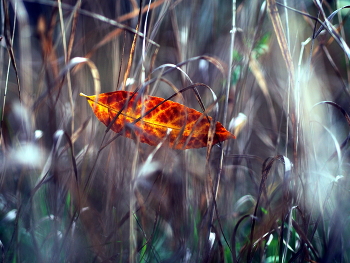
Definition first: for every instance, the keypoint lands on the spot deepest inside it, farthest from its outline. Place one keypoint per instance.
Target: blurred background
(70, 191)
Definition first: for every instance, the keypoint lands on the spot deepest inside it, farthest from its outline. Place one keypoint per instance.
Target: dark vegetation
(70, 191)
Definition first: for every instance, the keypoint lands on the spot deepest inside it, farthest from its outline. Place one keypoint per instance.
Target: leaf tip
(83, 95)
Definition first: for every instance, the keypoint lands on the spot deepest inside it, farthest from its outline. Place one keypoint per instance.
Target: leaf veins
(150, 118)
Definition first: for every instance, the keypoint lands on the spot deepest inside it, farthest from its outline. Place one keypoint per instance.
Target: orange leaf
(189, 128)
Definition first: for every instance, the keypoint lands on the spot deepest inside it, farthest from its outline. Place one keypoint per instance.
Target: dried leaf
(150, 118)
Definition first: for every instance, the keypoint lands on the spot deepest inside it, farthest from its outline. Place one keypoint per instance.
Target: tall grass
(277, 75)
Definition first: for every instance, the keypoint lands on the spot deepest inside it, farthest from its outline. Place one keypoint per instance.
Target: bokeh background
(70, 191)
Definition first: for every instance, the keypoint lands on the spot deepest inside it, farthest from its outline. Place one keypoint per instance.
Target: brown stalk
(136, 11)
(132, 50)
(281, 37)
(282, 42)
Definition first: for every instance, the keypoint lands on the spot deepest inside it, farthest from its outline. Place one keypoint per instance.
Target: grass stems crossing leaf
(150, 118)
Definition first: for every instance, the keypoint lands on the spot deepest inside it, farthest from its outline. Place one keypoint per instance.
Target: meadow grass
(275, 74)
